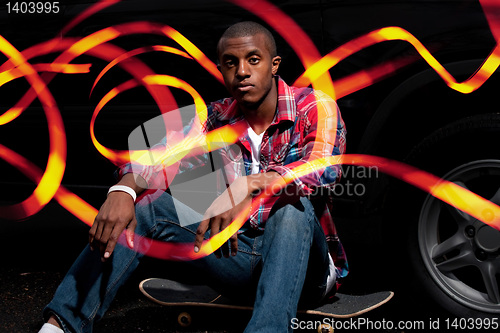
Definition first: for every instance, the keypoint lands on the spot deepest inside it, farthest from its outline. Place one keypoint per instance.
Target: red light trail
(316, 74)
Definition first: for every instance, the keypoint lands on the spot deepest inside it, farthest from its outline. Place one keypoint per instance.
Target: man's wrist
(259, 182)
(134, 181)
(123, 188)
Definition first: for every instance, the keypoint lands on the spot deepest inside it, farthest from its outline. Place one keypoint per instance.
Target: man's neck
(261, 117)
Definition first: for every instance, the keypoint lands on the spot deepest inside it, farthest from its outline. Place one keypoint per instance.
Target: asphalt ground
(37, 252)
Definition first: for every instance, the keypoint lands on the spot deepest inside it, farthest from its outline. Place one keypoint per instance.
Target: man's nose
(243, 70)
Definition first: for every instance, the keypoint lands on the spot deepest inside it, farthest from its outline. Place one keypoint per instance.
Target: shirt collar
(286, 108)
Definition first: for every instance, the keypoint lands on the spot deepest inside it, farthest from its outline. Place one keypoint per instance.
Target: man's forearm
(260, 181)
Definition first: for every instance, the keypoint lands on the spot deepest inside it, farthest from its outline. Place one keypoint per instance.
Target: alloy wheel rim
(461, 253)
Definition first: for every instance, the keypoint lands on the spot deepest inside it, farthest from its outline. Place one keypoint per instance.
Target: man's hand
(229, 204)
(116, 215)
(222, 212)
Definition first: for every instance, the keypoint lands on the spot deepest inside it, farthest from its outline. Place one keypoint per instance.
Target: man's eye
(229, 63)
(254, 60)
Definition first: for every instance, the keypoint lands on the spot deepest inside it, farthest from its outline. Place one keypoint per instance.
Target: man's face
(248, 68)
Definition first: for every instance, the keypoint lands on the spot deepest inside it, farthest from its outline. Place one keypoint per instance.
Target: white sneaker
(49, 328)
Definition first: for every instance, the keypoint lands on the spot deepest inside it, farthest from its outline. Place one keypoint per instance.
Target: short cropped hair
(246, 29)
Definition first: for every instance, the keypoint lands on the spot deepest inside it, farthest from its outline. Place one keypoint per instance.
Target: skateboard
(188, 300)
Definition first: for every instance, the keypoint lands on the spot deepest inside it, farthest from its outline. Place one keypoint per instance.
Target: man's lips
(244, 87)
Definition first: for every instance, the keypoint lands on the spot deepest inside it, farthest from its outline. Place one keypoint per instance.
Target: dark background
(392, 118)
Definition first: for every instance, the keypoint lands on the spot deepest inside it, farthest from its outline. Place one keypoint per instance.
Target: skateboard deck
(190, 298)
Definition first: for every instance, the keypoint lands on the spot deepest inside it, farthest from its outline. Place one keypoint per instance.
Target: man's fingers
(116, 214)
(110, 238)
(103, 241)
(96, 237)
(234, 244)
(110, 245)
(215, 224)
(200, 233)
(92, 232)
(225, 247)
(130, 232)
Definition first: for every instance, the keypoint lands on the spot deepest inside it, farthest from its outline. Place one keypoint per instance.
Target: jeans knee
(293, 218)
(145, 212)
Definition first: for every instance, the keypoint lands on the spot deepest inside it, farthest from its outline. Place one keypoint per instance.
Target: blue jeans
(273, 269)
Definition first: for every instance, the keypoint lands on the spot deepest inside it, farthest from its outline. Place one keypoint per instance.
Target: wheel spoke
(461, 184)
(457, 241)
(489, 272)
(458, 215)
(496, 198)
(463, 259)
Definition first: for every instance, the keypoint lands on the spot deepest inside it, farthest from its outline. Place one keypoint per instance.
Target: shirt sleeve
(324, 136)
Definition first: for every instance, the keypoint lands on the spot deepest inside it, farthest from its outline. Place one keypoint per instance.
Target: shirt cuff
(145, 172)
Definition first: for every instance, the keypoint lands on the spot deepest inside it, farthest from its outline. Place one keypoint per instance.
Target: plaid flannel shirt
(294, 138)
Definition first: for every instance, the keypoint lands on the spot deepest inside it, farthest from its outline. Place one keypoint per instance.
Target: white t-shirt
(255, 141)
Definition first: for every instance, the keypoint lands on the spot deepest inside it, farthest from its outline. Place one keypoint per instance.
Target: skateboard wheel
(184, 319)
(325, 328)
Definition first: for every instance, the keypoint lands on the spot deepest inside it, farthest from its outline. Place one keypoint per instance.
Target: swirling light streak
(88, 43)
(178, 151)
(316, 74)
(107, 34)
(491, 9)
(136, 68)
(32, 206)
(161, 95)
(70, 201)
(15, 73)
(396, 33)
(446, 191)
(92, 45)
(51, 179)
(121, 30)
(136, 52)
(365, 78)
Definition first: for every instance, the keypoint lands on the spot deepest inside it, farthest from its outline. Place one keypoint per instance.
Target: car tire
(455, 258)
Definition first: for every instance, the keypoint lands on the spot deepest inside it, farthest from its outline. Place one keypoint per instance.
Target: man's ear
(276, 64)
(218, 67)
